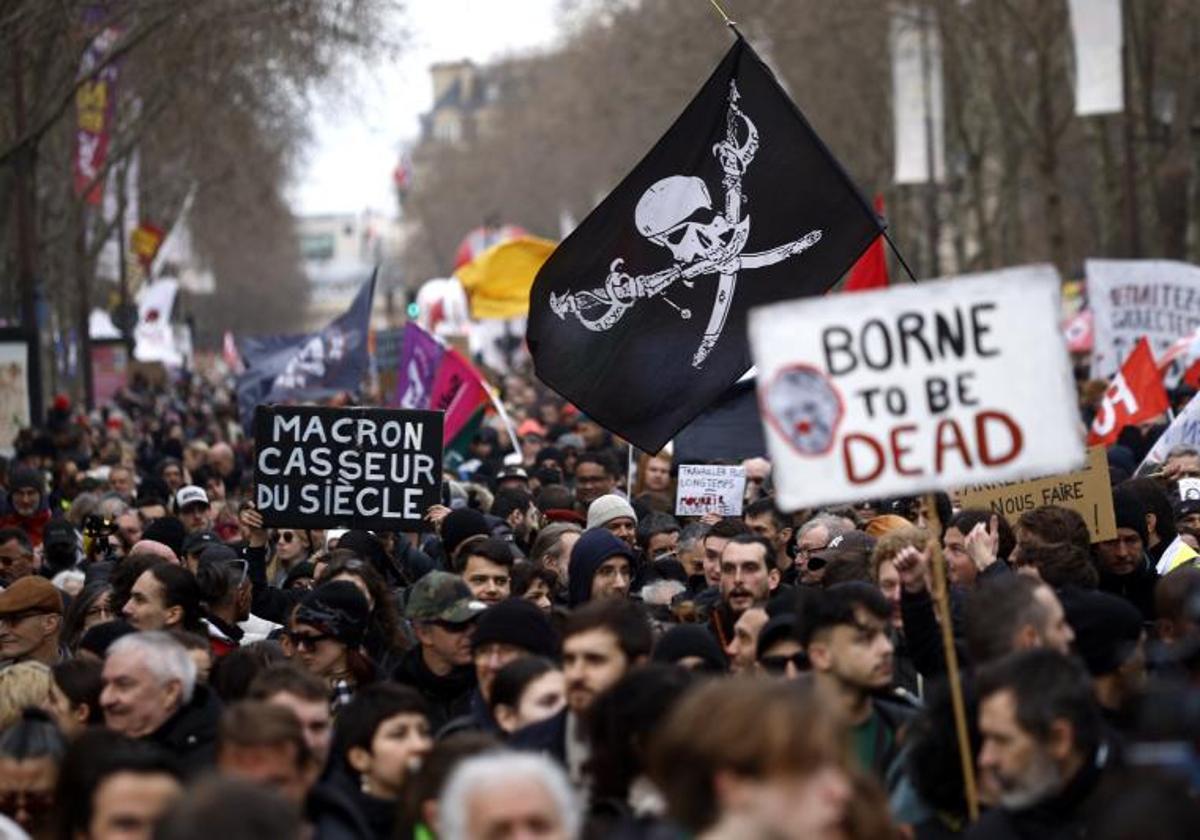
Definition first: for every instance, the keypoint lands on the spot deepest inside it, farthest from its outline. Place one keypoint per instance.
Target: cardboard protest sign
(1086, 491)
(1158, 299)
(1189, 489)
(370, 468)
(916, 388)
(709, 488)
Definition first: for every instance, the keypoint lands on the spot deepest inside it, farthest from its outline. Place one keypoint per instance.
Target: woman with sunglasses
(326, 636)
(291, 546)
(385, 642)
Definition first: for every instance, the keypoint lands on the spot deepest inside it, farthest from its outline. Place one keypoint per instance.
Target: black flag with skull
(639, 316)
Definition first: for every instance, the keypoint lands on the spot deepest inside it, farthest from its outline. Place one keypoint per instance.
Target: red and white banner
(1079, 332)
(1136, 394)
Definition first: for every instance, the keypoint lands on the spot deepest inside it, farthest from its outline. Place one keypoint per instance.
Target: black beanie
(685, 640)
(1130, 512)
(459, 525)
(1107, 628)
(26, 477)
(169, 531)
(368, 547)
(338, 608)
(519, 623)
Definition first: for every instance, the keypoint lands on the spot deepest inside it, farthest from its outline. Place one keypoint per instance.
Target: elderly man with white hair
(150, 692)
(508, 795)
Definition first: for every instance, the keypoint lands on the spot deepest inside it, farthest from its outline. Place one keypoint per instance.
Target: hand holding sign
(913, 566)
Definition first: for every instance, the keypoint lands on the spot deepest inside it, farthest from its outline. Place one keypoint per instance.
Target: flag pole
(721, 12)
(941, 598)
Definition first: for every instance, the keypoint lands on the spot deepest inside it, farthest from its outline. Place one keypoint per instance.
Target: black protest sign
(370, 468)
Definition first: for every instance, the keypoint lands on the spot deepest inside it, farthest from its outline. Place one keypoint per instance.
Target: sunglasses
(307, 641)
(778, 664)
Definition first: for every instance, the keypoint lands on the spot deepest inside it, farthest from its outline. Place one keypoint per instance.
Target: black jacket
(1137, 587)
(448, 697)
(548, 737)
(190, 735)
(339, 810)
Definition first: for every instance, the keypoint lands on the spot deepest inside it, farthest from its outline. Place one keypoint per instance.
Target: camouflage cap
(441, 596)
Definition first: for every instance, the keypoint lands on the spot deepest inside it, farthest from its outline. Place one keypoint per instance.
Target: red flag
(1136, 394)
(1191, 376)
(870, 272)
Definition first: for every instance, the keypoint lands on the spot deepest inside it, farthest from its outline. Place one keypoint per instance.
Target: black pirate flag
(639, 317)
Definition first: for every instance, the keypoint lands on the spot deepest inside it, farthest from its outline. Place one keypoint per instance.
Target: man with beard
(602, 641)
(844, 631)
(27, 508)
(748, 577)
(1125, 568)
(1043, 755)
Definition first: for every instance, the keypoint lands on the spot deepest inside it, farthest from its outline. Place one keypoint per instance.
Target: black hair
(371, 706)
(218, 581)
(80, 681)
(524, 574)
(496, 550)
(234, 673)
(77, 613)
(383, 626)
(619, 616)
(10, 534)
(226, 807)
(34, 735)
(555, 497)
(180, 589)
(1048, 687)
(92, 758)
(728, 528)
(653, 524)
(622, 720)
(125, 574)
(766, 505)
(821, 610)
(511, 499)
(600, 459)
(754, 539)
(965, 520)
(995, 611)
(511, 681)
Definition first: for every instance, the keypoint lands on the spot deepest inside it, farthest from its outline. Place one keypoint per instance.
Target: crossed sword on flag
(621, 290)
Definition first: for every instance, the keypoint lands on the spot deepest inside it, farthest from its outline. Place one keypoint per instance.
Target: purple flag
(419, 361)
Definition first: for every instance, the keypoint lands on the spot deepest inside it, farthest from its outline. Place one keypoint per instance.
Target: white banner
(917, 74)
(1096, 29)
(14, 393)
(918, 388)
(1183, 431)
(1159, 299)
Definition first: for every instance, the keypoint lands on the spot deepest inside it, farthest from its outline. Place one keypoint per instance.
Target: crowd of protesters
(558, 656)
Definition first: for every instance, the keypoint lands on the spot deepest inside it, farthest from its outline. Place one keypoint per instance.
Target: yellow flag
(498, 280)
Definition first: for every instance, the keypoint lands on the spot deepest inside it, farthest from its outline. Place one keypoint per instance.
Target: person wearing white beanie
(616, 514)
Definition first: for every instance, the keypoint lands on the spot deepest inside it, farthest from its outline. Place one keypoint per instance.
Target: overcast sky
(356, 146)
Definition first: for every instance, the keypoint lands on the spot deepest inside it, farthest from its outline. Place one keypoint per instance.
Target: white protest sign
(1189, 489)
(705, 488)
(916, 388)
(1183, 431)
(1159, 299)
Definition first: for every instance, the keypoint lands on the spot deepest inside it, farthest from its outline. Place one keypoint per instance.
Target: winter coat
(190, 735)
(448, 697)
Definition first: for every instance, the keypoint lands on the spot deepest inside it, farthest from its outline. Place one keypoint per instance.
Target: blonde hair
(21, 686)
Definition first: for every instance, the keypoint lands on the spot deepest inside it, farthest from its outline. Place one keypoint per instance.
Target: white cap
(190, 495)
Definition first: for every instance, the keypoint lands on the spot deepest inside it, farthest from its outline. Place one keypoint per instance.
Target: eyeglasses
(307, 641)
(778, 664)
